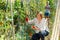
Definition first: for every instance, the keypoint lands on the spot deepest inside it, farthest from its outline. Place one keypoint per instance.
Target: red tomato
(26, 19)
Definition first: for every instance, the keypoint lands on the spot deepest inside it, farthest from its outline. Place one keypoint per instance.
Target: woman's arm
(35, 28)
(45, 25)
(29, 21)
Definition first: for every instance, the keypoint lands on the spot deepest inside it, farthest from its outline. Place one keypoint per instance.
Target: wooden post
(13, 28)
(55, 32)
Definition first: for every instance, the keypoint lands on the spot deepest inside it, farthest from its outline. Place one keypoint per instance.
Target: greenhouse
(13, 13)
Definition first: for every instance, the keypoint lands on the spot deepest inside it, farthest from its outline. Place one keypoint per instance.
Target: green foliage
(20, 10)
(2, 6)
(52, 5)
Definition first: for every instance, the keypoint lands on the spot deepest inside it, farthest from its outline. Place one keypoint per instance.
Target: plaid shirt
(42, 25)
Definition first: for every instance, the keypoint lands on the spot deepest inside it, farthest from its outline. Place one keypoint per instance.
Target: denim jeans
(45, 33)
(41, 35)
(47, 13)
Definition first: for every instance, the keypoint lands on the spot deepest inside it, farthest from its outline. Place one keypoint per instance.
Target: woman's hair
(40, 14)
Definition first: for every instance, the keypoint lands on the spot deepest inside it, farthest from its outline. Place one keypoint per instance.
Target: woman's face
(38, 16)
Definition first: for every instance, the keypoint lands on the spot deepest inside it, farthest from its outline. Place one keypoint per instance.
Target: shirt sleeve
(45, 25)
(31, 21)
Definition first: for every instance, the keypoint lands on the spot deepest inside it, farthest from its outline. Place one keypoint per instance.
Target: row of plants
(21, 9)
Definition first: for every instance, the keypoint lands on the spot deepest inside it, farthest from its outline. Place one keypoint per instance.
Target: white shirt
(42, 25)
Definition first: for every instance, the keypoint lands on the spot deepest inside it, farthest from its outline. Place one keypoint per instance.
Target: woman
(40, 27)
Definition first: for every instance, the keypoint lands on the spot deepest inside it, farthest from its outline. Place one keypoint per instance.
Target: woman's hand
(35, 28)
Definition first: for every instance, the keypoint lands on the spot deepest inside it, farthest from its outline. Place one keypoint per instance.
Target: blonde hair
(40, 14)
